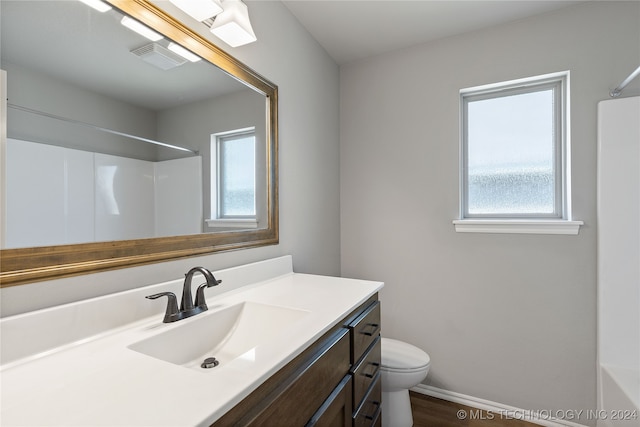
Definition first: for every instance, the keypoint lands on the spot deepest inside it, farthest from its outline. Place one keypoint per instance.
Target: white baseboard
(542, 418)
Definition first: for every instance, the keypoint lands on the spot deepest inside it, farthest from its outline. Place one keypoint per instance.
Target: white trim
(233, 222)
(560, 83)
(215, 171)
(516, 226)
(523, 82)
(234, 131)
(541, 418)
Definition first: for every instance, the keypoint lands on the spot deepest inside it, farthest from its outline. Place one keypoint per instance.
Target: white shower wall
(619, 258)
(90, 197)
(178, 196)
(124, 198)
(59, 209)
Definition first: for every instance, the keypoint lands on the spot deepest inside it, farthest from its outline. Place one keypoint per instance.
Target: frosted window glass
(511, 154)
(237, 176)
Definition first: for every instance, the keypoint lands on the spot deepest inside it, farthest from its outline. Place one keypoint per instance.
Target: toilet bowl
(403, 366)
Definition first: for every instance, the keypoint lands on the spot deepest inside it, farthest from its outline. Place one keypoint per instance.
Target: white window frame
(558, 222)
(218, 220)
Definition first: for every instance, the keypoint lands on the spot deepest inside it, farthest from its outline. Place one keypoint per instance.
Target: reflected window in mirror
(233, 179)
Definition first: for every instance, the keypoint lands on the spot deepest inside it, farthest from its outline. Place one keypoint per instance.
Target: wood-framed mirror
(39, 260)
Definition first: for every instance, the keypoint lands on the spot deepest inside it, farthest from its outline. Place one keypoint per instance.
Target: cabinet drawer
(298, 403)
(336, 410)
(366, 371)
(292, 400)
(368, 413)
(364, 331)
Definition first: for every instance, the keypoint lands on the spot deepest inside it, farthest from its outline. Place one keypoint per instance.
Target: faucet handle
(200, 300)
(172, 313)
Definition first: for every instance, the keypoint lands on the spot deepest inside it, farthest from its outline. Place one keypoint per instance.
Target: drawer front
(295, 397)
(336, 410)
(368, 414)
(364, 331)
(298, 403)
(366, 371)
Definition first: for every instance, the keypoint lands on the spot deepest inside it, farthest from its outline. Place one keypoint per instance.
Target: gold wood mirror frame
(25, 265)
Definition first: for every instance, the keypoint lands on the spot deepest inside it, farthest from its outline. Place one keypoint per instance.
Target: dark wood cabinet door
(336, 410)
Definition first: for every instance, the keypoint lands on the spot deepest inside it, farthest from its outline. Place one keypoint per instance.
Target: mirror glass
(113, 137)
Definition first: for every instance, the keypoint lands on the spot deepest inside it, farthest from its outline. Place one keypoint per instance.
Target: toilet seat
(399, 356)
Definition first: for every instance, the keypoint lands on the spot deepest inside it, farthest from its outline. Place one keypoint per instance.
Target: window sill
(233, 223)
(516, 226)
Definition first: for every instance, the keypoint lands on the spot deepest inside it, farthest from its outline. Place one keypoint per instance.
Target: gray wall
(41, 92)
(508, 318)
(308, 82)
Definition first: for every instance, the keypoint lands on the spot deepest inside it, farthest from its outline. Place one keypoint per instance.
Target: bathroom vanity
(305, 392)
(293, 349)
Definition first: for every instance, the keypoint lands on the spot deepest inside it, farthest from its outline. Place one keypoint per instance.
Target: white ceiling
(86, 47)
(350, 30)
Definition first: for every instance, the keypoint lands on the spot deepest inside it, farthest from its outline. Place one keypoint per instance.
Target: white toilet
(403, 366)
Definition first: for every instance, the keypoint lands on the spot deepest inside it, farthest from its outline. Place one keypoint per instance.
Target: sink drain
(209, 362)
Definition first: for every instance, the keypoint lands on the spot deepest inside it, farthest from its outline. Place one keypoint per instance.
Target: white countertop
(99, 381)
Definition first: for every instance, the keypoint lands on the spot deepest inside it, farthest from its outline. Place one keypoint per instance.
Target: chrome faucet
(187, 307)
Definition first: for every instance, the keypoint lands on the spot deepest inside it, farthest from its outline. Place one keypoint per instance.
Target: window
(233, 179)
(514, 155)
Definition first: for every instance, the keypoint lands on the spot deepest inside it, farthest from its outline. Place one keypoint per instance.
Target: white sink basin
(225, 334)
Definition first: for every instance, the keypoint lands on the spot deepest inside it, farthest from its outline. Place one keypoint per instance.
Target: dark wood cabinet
(365, 329)
(366, 373)
(369, 411)
(334, 382)
(337, 409)
(366, 360)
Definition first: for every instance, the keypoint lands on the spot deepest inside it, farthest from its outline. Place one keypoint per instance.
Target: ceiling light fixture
(141, 29)
(230, 24)
(233, 26)
(98, 5)
(185, 53)
(199, 10)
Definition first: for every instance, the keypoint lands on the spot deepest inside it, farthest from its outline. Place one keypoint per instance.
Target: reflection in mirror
(90, 108)
(113, 137)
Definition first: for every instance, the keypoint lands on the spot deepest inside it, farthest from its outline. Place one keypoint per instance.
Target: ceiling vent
(159, 56)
